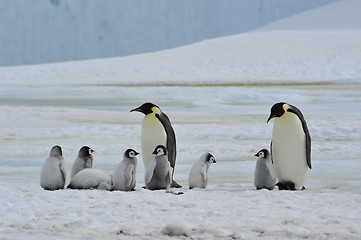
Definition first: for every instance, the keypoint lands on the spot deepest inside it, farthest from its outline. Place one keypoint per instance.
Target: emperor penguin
(264, 174)
(91, 178)
(53, 175)
(157, 130)
(198, 176)
(290, 146)
(84, 160)
(124, 176)
(159, 172)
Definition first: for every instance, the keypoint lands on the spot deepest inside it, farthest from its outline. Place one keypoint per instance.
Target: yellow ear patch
(156, 110)
(285, 107)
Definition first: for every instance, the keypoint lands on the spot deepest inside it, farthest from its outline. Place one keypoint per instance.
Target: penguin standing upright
(157, 130)
(158, 175)
(124, 176)
(198, 177)
(290, 146)
(53, 174)
(264, 174)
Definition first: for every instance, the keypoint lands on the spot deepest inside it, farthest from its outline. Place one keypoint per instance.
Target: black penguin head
(56, 151)
(278, 110)
(147, 108)
(130, 153)
(85, 151)
(160, 150)
(210, 158)
(262, 153)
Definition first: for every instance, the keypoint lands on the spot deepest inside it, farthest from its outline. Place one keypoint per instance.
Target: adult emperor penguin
(264, 174)
(53, 175)
(124, 176)
(198, 176)
(157, 130)
(290, 146)
(84, 160)
(159, 172)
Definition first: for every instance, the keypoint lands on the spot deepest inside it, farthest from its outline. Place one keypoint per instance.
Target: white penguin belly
(289, 150)
(153, 134)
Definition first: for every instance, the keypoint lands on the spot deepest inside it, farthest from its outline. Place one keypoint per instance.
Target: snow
(218, 95)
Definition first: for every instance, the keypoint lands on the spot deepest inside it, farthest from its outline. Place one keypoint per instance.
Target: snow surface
(88, 103)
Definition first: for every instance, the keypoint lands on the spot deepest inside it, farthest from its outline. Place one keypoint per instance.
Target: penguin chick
(53, 174)
(159, 173)
(91, 178)
(198, 176)
(264, 174)
(290, 146)
(124, 176)
(84, 160)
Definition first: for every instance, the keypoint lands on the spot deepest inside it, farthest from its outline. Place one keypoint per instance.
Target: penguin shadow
(169, 190)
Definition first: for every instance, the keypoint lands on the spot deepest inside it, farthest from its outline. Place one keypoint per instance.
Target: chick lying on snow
(175, 230)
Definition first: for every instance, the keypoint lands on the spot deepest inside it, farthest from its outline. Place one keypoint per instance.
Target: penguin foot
(174, 184)
(286, 186)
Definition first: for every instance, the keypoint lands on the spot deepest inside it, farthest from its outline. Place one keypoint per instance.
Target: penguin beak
(136, 109)
(270, 117)
(256, 154)
(136, 153)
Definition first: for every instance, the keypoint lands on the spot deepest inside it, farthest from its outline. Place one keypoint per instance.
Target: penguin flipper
(63, 173)
(128, 175)
(204, 173)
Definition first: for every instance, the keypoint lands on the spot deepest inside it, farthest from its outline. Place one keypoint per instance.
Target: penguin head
(85, 151)
(277, 110)
(147, 108)
(263, 153)
(160, 150)
(56, 151)
(130, 153)
(210, 158)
